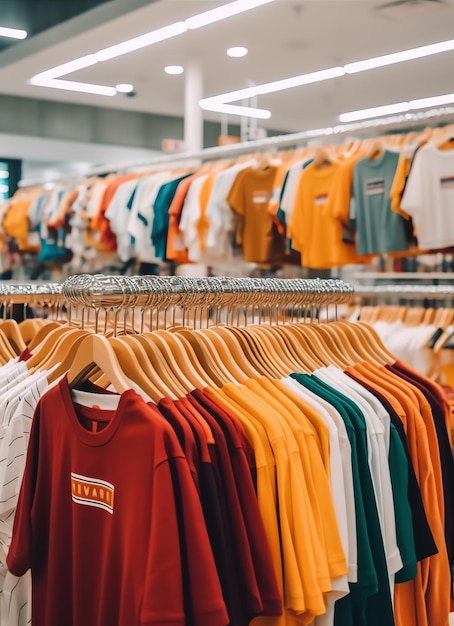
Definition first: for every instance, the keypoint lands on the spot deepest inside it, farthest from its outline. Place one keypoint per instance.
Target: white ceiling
(285, 38)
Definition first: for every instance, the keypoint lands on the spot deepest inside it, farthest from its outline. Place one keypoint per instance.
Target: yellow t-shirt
(314, 232)
(305, 565)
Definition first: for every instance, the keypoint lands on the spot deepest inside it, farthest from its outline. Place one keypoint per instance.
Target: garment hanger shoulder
(59, 350)
(256, 353)
(301, 358)
(323, 156)
(376, 150)
(343, 348)
(211, 344)
(12, 332)
(96, 351)
(174, 355)
(280, 350)
(270, 351)
(375, 343)
(194, 371)
(240, 349)
(154, 368)
(205, 357)
(414, 316)
(30, 327)
(132, 368)
(231, 355)
(46, 346)
(42, 333)
(313, 351)
(64, 355)
(6, 349)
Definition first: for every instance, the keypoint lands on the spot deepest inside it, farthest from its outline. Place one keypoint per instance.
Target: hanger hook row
(120, 292)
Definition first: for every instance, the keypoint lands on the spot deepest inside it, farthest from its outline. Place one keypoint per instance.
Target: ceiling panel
(285, 38)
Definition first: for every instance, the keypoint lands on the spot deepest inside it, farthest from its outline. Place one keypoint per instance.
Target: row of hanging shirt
(295, 472)
(323, 207)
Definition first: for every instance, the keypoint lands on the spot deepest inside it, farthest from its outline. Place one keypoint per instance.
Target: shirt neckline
(93, 438)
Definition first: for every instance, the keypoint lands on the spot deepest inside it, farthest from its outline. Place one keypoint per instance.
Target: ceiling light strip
(398, 107)
(12, 33)
(232, 109)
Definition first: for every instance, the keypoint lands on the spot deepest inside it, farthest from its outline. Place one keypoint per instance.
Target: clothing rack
(268, 296)
(404, 292)
(119, 292)
(402, 121)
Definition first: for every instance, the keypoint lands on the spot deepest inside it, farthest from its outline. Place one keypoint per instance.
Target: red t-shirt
(110, 522)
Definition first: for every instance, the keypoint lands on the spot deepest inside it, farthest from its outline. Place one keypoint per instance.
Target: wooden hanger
(255, 352)
(12, 332)
(279, 350)
(95, 352)
(183, 351)
(443, 138)
(323, 157)
(131, 366)
(175, 356)
(30, 327)
(263, 160)
(45, 348)
(414, 316)
(231, 354)
(376, 150)
(42, 333)
(154, 368)
(205, 356)
(6, 350)
(376, 345)
(312, 348)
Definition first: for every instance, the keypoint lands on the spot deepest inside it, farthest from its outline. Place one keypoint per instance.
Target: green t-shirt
(369, 602)
(378, 228)
(398, 467)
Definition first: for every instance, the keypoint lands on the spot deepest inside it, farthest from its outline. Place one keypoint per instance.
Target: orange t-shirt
(175, 250)
(256, 231)
(426, 599)
(314, 232)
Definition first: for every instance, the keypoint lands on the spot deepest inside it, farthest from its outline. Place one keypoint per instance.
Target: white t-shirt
(340, 587)
(15, 599)
(219, 213)
(190, 215)
(118, 216)
(140, 221)
(375, 416)
(429, 197)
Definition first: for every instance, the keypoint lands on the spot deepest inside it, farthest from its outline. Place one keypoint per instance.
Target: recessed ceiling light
(12, 33)
(174, 69)
(124, 87)
(237, 51)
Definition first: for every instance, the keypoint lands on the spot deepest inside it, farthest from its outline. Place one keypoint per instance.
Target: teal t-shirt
(398, 467)
(369, 602)
(160, 226)
(378, 228)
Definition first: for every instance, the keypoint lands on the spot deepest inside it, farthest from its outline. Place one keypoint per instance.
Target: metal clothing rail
(405, 292)
(402, 121)
(30, 293)
(153, 292)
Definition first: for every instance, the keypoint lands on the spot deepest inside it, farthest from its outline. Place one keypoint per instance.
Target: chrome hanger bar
(127, 292)
(401, 121)
(405, 292)
(28, 293)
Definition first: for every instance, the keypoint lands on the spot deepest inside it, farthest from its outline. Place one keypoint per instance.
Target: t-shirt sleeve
(19, 559)
(179, 543)
(411, 200)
